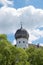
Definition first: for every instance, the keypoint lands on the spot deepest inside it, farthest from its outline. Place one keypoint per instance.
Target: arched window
(23, 41)
(19, 41)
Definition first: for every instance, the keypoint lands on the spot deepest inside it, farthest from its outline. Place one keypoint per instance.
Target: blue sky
(23, 3)
(12, 12)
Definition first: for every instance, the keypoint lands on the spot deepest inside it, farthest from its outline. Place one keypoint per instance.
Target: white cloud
(6, 2)
(14, 42)
(31, 17)
(41, 44)
(35, 34)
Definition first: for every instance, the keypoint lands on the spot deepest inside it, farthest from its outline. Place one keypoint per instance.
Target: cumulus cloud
(6, 2)
(14, 42)
(35, 34)
(41, 44)
(31, 17)
(10, 18)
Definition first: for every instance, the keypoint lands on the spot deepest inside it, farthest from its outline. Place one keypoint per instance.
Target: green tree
(3, 37)
(35, 56)
(11, 55)
(4, 49)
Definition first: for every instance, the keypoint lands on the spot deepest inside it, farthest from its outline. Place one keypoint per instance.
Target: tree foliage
(11, 55)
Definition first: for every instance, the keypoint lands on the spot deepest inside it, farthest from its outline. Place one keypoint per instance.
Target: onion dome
(21, 33)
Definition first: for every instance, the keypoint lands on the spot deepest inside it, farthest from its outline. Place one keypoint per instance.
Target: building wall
(22, 43)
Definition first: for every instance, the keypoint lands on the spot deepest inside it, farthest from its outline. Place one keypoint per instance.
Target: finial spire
(21, 25)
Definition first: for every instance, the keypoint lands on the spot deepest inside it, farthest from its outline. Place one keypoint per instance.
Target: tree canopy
(11, 55)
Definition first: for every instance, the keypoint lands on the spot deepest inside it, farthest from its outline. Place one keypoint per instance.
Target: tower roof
(21, 33)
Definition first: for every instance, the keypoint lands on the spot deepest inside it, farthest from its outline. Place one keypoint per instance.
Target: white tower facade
(21, 37)
(22, 43)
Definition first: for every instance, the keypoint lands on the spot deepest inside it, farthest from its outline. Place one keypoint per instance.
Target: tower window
(19, 41)
(23, 41)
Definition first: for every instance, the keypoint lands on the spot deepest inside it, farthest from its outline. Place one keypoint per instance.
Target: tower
(21, 37)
